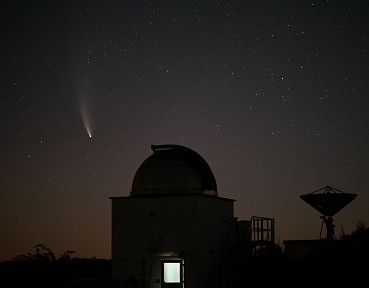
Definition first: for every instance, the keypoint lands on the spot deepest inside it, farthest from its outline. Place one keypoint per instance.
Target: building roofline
(170, 195)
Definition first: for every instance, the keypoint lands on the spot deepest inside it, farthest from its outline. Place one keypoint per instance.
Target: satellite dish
(328, 201)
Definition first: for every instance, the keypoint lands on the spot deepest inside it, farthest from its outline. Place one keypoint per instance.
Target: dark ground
(258, 272)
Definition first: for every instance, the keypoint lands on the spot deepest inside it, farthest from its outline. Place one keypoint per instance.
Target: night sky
(272, 94)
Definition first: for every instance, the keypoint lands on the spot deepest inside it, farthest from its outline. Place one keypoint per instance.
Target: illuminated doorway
(172, 273)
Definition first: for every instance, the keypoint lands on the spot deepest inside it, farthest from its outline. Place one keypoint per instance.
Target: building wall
(189, 227)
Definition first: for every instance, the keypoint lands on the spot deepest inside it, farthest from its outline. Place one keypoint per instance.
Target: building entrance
(172, 273)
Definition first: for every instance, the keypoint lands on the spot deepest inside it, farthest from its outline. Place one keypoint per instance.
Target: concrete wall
(191, 227)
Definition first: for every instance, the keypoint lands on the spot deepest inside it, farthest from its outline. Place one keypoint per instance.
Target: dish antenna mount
(328, 201)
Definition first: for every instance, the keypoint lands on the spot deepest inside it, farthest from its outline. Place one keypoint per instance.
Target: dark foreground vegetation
(338, 263)
(36, 273)
(345, 266)
(320, 270)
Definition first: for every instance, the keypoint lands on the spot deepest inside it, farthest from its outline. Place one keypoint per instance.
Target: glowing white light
(172, 272)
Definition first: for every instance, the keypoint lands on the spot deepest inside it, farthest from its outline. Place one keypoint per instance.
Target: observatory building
(173, 230)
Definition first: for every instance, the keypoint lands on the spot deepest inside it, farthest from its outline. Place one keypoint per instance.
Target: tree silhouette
(42, 253)
(66, 255)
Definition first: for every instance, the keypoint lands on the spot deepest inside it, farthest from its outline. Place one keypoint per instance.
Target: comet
(86, 119)
(85, 107)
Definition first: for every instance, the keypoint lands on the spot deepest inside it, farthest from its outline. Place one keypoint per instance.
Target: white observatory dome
(174, 169)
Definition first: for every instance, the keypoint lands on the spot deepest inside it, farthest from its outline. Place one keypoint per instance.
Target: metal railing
(262, 230)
